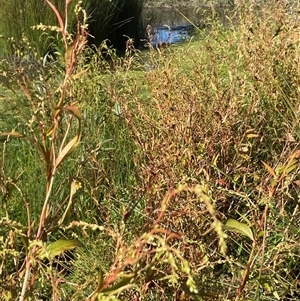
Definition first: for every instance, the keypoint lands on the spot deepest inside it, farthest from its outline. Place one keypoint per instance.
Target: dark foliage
(112, 20)
(115, 23)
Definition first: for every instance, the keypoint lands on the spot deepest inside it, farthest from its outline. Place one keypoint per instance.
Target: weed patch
(170, 174)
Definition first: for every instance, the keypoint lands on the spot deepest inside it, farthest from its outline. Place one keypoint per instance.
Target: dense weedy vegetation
(171, 174)
(107, 20)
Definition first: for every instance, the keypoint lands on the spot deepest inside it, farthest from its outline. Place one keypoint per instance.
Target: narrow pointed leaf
(291, 166)
(80, 73)
(66, 216)
(238, 227)
(58, 15)
(50, 130)
(67, 150)
(69, 54)
(14, 134)
(100, 281)
(44, 152)
(269, 169)
(57, 247)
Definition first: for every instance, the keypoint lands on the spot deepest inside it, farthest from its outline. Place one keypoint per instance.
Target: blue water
(170, 35)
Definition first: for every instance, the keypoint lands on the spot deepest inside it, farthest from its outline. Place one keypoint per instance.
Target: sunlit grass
(202, 132)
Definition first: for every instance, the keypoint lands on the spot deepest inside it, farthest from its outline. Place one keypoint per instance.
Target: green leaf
(57, 247)
(238, 227)
(260, 234)
(291, 166)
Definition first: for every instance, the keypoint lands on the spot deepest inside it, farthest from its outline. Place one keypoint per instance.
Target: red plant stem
(246, 272)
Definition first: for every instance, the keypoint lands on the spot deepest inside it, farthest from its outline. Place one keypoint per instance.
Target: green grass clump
(185, 183)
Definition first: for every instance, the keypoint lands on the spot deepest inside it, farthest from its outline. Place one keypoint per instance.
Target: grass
(168, 155)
